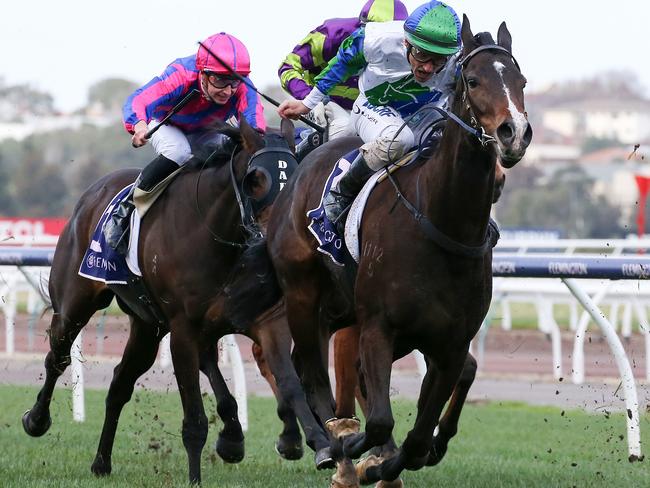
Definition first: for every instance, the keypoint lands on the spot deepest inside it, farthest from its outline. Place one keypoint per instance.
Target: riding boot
(116, 228)
(339, 198)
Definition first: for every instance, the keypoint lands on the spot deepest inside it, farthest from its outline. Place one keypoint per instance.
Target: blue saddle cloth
(101, 262)
(329, 241)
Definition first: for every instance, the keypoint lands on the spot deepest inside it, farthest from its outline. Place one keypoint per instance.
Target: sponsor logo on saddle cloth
(329, 241)
(103, 263)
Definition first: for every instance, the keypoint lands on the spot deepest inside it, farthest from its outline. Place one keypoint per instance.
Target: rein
(214, 235)
(443, 240)
(431, 231)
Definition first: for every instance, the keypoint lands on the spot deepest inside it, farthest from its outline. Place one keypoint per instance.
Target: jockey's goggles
(437, 60)
(220, 81)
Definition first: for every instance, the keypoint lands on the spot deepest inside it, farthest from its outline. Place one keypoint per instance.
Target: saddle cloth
(329, 241)
(101, 262)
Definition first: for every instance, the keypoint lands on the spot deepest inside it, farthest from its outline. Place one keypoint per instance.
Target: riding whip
(250, 85)
(174, 110)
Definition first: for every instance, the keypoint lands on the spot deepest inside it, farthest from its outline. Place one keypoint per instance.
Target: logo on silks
(268, 173)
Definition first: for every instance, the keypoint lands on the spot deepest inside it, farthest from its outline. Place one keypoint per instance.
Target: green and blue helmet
(434, 27)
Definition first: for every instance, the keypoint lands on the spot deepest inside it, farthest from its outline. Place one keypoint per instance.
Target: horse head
(262, 166)
(493, 92)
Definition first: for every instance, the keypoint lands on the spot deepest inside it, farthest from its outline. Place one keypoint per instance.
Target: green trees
(563, 201)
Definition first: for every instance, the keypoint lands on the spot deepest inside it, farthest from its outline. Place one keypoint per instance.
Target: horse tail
(254, 287)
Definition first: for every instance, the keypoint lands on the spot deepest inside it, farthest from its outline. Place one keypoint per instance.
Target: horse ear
(288, 132)
(466, 35)
(251, 139)
(504, 39)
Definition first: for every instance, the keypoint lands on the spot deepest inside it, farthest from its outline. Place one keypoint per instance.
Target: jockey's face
(424, 64)
(218, 89)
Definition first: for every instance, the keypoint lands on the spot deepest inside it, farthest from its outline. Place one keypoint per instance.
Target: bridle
(246, 211)
(476, 129)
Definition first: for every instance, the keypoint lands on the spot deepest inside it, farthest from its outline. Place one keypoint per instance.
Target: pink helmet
(229, 49)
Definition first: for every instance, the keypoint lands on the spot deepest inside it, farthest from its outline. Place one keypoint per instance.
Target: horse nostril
(506, 132)
(528, 135)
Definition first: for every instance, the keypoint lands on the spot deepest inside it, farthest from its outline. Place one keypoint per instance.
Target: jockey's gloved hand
(318, 115)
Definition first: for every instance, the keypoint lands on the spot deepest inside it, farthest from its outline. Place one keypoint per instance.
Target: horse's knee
(284, 410)
(468, 373)
(57, 363)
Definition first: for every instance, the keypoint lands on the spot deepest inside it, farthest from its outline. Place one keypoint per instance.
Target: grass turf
(498, 445)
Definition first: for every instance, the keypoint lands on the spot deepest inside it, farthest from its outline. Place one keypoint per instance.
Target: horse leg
(230, 444)
(289, 443)
(376, 348)
(436, 389)
(275, 340)
(139, 355)
(448, 425)
(311, 339)
(185, 357)
(70, 316)
(346, 354)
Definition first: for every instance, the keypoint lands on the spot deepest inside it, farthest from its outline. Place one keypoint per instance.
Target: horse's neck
(460, 183)
(216, 202)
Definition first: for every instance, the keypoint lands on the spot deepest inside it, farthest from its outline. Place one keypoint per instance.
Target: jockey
(310, 57)
(403, 66)
(218, 96)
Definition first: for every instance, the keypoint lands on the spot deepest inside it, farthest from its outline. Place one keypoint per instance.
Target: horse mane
(210, 159)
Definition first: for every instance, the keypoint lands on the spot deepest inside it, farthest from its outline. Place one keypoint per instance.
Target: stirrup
(335, 204)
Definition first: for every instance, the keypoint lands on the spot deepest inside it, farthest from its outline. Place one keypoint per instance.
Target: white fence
(22, 271)
(544, 293)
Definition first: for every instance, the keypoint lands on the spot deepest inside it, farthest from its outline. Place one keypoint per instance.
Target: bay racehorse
(189, 242)
(424, 278)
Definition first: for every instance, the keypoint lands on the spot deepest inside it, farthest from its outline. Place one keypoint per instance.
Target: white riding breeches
(170, 142)
(174, 144)
(378, 127)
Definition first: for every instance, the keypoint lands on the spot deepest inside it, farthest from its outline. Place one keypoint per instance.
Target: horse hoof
(231, 451)
(36, 429)
(323, 459)
(363, 465)
(289, 450)
(345, 476)
(101, 467)
(343, 427)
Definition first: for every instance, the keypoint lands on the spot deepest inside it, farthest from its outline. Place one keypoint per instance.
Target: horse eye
(472, 82)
